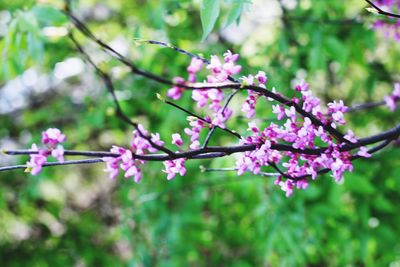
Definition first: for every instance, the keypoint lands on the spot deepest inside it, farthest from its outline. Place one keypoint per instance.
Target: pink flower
(396, 90)
(249, 107)
(363, 152)
(134, 171)
(177, 139)
(337, 109)
(287, 187)
(201, 97)
(350, 136)
(195, 65)
(215, 65)
(176, 92)
(253, 127)
(58, 153)
(303, 86)
(279, 110)
(35, 163)
(220, 117)
(155, 138)
(391, 100)
(249, 80)
(53, 136)
(291, 113)
(261, 77)
(310, 103)
(111, 166)
(231, 69)
(172, 167)
(228, 56)
(195, 145)
(338, 117)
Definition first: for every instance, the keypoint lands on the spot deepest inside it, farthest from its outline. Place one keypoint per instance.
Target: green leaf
(233, 14)
(209, 13)
(235, 11)
(49, 15)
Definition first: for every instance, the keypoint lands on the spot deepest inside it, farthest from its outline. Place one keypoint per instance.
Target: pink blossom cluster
(220, 71)
(51, 138)
(125, 161)
(297, 130)
(301, 134)
(388, 28)
(128, 162)
(249, 106)
(392, 99)
(194, 132)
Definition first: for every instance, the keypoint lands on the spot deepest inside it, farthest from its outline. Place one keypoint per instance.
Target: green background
(76, 216)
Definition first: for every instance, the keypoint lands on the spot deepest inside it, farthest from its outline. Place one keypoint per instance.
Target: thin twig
(50, 164)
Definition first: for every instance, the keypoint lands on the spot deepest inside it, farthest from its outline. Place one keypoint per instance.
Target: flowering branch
(306, 145)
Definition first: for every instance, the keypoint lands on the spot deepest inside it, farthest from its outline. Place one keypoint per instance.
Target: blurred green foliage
(75, 216)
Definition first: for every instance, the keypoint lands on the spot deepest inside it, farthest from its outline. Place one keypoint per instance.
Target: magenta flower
(261, 78)
(177, 139)
(302, 86)
(53, 136)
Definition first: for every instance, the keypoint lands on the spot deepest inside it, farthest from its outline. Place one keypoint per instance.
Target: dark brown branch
(381, 11)
(207, 152)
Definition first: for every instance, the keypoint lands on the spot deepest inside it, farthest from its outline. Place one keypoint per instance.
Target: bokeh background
(76, 216)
